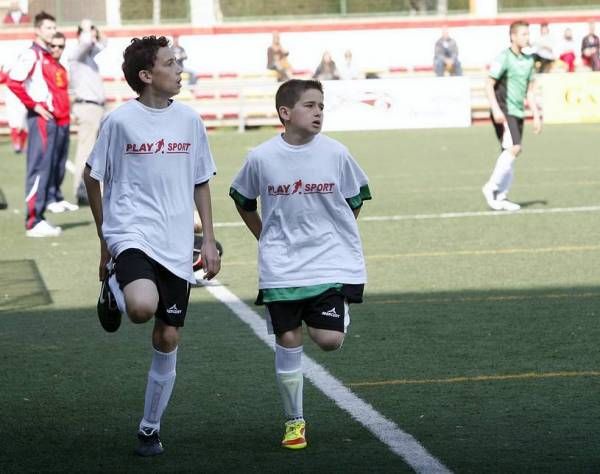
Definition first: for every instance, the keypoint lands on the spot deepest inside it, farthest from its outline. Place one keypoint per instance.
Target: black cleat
(149, 443)
(108, 312)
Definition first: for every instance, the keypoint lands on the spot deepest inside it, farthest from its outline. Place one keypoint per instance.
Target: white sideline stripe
(400, 442)
(454, 215)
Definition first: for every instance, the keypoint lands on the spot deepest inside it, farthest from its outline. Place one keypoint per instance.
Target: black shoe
(108, 312)
(149, 443)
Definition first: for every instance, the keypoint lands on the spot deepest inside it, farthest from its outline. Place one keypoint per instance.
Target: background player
(153, 157)
(508, 85)
(311, 263)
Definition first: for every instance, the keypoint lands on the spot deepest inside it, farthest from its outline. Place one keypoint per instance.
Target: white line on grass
(455, 215)
(400, 442)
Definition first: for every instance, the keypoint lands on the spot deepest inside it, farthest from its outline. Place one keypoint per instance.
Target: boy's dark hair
(40, 17)
(290, 91)
(140, 55)
(59, 35)
(514, 26)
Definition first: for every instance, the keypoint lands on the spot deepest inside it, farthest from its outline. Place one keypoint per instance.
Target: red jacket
(37, 78)
(58, 83)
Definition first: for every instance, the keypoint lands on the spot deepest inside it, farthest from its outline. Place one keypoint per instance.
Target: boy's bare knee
(515, 150)
(292, 338)
(140, 312)
(165, 338)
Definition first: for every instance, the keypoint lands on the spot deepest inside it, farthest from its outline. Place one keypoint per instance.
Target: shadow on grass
(75, 393)
(525, 204)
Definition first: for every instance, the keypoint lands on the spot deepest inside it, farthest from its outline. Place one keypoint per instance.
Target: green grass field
(478, 335)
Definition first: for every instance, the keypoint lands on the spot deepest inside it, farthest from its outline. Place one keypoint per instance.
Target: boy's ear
(145, 76)
(284, 112)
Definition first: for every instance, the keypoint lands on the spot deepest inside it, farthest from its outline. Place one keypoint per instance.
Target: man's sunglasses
(61, 46)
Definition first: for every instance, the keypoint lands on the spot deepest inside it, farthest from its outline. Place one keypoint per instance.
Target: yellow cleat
(294, 435)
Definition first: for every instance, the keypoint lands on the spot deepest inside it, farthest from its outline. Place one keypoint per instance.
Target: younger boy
(153, 157)
(510, 82)
(311, 263)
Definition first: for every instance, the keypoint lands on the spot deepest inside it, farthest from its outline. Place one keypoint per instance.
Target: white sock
(290, 380)
(502, 175)
(161, 379)
(504, 186)
(115, 289)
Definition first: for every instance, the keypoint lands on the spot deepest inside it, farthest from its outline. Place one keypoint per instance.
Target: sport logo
(331, 313)
(153, 148)
(298, 187)
(174, 310)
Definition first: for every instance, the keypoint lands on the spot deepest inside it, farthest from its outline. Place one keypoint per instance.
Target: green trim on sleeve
(245, 203)
(364, 195)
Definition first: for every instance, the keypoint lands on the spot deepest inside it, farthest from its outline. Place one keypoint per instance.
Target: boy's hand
(211, 261)
(498, 115)
(104, 259)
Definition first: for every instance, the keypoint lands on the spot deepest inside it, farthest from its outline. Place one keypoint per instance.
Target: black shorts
(173, 292)
(511, 133)
(329, 310)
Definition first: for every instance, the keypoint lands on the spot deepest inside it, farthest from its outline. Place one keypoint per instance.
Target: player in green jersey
(509, 84)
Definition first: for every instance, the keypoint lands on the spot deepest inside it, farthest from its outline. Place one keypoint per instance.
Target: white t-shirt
(150, 160)
(309, 233)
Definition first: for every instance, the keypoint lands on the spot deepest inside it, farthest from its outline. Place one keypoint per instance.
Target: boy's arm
(211, 262)
(251, 219)
(491, 95)
(94, 194)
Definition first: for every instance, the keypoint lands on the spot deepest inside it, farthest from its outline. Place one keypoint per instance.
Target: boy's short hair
(140, 55)
(40, 17)
(290, 91)
(515, 25)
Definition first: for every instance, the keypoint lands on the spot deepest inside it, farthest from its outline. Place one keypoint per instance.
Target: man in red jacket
(29, 79)
(59, 87)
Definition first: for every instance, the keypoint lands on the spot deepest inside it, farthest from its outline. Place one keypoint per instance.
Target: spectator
(180, 57)
(590, 49)
(89, 98)
(16, 16)
(327, 69)
(31, 81)
(544, 50)
(445, 56)
(348, 69)
(59, 88)
(567, 50)
(17, 115)
(277, 59)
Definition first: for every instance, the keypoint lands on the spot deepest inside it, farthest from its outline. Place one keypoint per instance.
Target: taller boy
(153, 157)
(509, 84)
(311, 263)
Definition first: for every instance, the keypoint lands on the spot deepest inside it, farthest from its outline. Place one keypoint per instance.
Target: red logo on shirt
(299, 188)
(157, 147)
